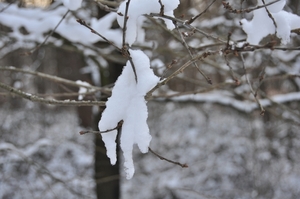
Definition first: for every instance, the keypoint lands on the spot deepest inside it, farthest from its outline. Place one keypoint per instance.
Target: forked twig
(180, 70)
(162, 8)
(191, 55)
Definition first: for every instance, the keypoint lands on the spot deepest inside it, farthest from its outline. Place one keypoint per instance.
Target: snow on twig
(127, 103)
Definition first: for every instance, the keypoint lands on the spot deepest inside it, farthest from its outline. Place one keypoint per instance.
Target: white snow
(244, 106)
(38, 22)
(262, 25)
(127, 103)
(82, 90)
(137, 9)
(93, 69)
(72, 4)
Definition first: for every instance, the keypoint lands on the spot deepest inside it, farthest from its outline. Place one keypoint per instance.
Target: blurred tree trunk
(106, 175)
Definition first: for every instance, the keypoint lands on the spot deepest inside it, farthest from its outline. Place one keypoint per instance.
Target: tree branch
(35, 98)
(171, 161)
(82, 22)
(191, 20)
(262, 110)
(54, 78)
(48, 36)
(227, 6)
(192, 56)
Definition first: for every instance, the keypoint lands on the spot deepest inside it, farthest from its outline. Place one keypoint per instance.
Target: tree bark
(106, 175)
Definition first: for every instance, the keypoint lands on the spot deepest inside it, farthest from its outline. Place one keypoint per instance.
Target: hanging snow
(127, 103)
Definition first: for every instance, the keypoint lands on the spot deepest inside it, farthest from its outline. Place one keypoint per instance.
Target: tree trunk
(106, 175)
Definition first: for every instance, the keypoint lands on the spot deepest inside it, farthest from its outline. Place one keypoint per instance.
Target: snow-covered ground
(230, 154)
(42, 154)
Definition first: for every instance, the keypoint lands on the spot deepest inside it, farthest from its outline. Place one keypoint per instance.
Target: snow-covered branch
(35, 98)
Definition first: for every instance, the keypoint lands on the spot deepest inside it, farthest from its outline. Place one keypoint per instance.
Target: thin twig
(192, 56)
(48, 36)
(127, 54)
(262, 110)
(180, 70)
(106, 131)
(108, 3)
(164, 28)
(171, 161)
(124, 50)
(282, 106)
(230, 9)
(125, 24)
(194, 92)
(271, 17)
(104, 5)
(71, 94)
(82, 22)
(261, 78)
(231, 70)
(186, 25)
(191, 20)
(162, 8)
(9, 4)
(227, 50)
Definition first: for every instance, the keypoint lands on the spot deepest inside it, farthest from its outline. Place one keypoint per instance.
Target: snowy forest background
(232, 116)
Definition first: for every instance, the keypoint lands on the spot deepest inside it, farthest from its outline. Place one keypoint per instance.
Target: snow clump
(262, 25)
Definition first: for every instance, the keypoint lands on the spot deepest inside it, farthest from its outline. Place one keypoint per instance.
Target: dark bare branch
(168, 160)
